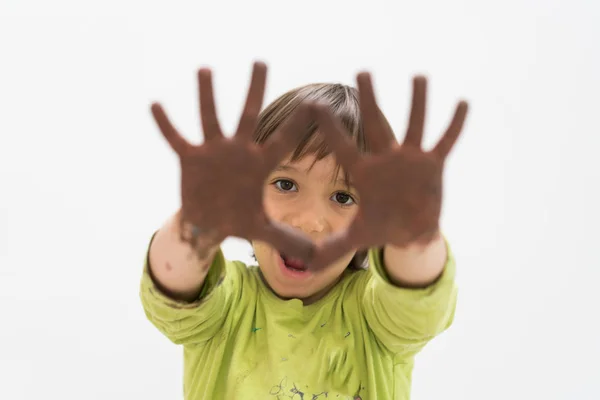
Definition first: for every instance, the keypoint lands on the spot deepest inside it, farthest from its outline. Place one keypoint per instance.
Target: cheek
(340, 265)
(261, 251)
(343, 218)
(348, 257)
(274, 206)
(350, 215)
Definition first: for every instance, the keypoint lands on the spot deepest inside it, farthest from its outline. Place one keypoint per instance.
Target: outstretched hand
(222, 179)
(399, 185)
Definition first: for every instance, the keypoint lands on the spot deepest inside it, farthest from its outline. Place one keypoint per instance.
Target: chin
(290, 295)
(288, 290)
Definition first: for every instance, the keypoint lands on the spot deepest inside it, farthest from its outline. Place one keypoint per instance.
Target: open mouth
(293, 264)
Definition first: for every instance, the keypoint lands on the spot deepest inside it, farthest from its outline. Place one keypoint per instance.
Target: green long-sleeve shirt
(358, 342)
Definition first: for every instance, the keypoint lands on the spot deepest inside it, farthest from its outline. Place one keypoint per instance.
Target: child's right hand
(222, 180)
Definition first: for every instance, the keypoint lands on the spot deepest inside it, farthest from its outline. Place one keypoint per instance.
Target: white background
(86, 177)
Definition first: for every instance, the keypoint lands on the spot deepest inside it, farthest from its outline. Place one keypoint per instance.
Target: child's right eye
(285, 185)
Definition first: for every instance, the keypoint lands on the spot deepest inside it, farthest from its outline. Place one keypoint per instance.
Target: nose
(311, 222)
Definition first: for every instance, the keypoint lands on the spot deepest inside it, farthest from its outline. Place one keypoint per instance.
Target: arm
(405, 317)
(178, 269)
(416, 265)
(409, 295)
(187, 297)
(188, 293)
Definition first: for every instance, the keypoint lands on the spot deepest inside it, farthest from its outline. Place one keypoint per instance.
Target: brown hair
(342, 101)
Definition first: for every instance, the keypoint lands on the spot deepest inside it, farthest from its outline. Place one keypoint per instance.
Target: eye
(343, 198)
(285, 185)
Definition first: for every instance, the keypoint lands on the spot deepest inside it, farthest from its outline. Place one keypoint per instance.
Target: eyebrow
(286, 167)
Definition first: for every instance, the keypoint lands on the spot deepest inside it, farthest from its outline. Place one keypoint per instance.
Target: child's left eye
(344, 199)
(285, 185)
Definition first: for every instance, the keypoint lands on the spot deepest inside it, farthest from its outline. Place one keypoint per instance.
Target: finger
(208, 113)
(331, 250)
(447, 141)
(378, 134)
(175, 140)
(288, 241)
(416, 124)
(346, 152)
(254, 102)
(287, 137)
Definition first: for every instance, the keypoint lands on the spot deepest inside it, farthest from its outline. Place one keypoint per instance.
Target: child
(381, 282)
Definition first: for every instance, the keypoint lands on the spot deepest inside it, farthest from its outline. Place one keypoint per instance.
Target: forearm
(416, 265)
(177, 268)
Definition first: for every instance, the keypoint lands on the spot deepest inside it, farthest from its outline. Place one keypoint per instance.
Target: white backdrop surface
(85, 176)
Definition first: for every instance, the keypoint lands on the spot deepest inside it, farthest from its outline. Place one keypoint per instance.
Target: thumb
(331, 249)
(287, 240)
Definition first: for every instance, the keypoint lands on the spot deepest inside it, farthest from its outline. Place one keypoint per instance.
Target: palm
(222, 179)
(221, 187)
(400, 197)
(400, 185)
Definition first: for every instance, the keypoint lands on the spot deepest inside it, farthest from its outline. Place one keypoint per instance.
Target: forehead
(322, 169)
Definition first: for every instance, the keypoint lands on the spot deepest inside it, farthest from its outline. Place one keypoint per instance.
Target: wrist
(418, 264)
(418, 244)
(202, 243)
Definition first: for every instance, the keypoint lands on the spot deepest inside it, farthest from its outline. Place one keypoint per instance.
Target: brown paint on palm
(222, 179)
(400, 185)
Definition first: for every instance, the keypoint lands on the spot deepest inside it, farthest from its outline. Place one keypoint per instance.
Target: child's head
(309, 190)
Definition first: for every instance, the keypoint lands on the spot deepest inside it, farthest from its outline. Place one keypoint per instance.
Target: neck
(313, 298)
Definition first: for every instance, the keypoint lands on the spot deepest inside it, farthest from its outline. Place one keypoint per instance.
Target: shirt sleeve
(192, 322)
(404, 320)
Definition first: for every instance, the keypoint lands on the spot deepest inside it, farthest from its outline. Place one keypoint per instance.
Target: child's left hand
(399, 185)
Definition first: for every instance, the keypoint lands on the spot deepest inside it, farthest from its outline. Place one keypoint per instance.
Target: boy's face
(309, 196)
